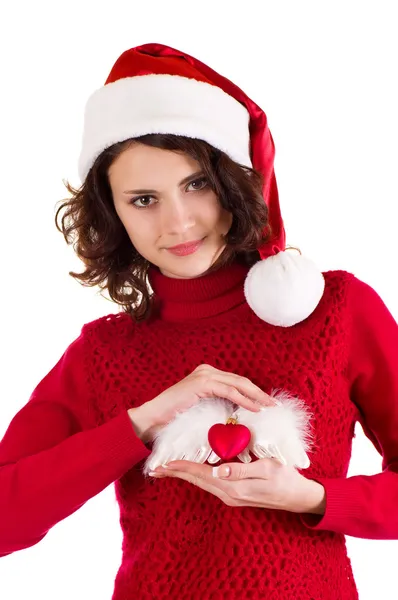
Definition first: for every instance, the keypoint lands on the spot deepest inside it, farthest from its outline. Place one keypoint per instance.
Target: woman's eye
(142, 201)
(198, 184)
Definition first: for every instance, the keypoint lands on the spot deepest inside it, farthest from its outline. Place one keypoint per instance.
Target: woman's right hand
(204, 382)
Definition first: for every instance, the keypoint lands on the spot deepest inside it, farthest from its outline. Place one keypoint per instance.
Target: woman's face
(163, 201)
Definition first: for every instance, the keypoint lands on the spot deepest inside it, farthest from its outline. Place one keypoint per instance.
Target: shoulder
(112, 328)
(364, 303)
(342, 277)
(336, 295)
(337, 282)
(350, 285)
(108, 330)
(351, 302)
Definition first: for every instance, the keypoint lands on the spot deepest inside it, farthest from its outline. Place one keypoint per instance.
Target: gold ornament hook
(294, 248)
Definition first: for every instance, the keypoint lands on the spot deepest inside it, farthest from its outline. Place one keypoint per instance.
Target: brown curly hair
(91, 224)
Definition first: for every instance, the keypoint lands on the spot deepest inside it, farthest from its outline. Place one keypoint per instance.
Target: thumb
(222, 472)
(259, 469)
(233, 471)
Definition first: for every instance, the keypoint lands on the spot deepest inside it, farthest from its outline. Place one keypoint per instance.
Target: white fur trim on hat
(284, 289)
(145, 104)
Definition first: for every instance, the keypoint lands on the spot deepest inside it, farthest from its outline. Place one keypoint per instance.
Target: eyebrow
(182, 182)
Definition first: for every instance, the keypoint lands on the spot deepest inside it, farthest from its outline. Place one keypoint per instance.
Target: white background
(326, 75)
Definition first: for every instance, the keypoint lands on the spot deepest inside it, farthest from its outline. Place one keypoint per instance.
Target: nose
(176, 215)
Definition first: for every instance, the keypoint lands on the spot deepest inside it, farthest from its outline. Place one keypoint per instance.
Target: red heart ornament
(228, 440)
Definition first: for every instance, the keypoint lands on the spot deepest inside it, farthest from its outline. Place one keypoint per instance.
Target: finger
(258, 469)
(245, 456)
(249, 389)
(156, 461)
(236, 384)
(193, 469)
(230, 392)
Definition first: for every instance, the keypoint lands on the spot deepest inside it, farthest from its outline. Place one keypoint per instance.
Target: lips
(185, 249)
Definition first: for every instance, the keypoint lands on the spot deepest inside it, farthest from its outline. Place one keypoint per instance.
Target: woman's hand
(204, 382)
(265, 483)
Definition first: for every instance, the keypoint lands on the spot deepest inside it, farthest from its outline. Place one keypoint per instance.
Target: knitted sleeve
(53, 458)
(365, 506)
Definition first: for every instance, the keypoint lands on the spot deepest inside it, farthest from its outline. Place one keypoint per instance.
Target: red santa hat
(156, 89)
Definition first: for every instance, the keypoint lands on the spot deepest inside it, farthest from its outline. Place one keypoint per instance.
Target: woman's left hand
(264, 483)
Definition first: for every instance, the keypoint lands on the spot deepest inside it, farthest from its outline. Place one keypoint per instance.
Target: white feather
(186, 437)
(286, 426)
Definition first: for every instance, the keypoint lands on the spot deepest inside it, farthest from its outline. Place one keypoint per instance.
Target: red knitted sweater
(74, 437)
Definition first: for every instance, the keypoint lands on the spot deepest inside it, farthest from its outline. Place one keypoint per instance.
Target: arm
(365, 506)
(53, 458)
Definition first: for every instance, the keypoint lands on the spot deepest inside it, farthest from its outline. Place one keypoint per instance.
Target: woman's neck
(202, 297)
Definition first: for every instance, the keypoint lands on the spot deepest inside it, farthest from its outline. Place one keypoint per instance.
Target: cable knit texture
(178, 540)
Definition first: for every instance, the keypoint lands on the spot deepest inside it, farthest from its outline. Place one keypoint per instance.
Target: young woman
(178, 219)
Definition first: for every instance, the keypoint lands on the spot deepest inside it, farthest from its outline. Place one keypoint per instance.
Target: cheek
(140, 231)
(212, 213)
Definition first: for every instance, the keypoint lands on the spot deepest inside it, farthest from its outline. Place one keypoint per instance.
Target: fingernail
(221, 471)
(165, 466)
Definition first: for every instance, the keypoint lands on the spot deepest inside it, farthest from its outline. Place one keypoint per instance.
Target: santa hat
(156, 89)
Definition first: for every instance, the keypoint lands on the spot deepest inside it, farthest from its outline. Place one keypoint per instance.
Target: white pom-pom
(284, 289)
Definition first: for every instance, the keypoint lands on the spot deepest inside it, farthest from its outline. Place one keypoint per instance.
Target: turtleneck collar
(202, 297)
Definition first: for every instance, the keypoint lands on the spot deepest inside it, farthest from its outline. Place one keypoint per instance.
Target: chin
(186, 268)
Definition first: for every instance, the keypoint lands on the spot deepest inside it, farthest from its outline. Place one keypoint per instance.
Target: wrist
(141, 422)
(314, 497)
